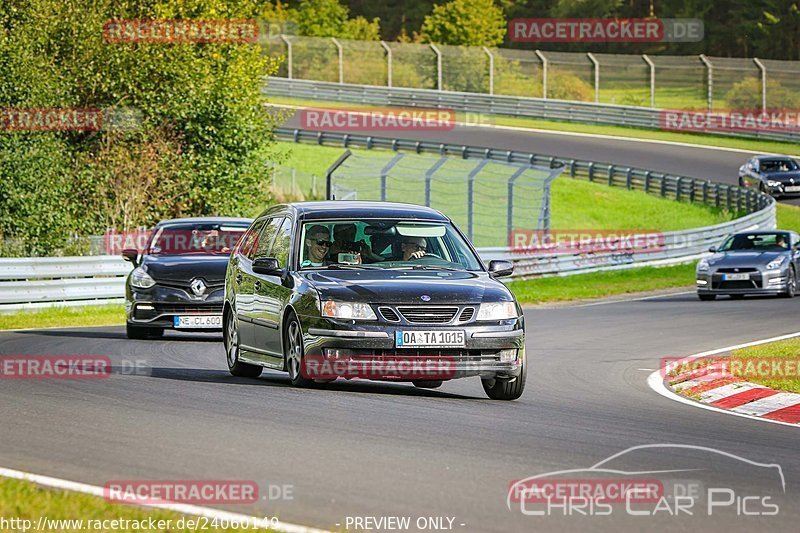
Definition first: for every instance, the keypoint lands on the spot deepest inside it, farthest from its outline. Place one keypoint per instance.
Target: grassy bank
(788, 349)
(72, 512)
(89, 315)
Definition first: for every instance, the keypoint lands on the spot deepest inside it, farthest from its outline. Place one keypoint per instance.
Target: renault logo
(198, 287)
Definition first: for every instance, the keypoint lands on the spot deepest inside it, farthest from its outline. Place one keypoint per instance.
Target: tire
(791, 285)
(497, 389)
(707, 297)
(293, 352)
(430, 384)
(141, 332)
(231, 337)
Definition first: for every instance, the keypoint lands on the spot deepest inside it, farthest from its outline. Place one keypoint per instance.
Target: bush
(746, 94)
(567, 86)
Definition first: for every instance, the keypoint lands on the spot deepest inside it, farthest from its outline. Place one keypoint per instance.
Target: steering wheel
(431, 254)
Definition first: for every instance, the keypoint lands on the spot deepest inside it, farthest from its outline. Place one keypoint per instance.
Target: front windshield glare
(756, 241)
(384, 244)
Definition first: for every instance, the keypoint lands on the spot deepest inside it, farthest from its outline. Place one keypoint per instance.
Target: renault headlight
(347, 310)
(141, 279)
(777, 263)
(497, 311)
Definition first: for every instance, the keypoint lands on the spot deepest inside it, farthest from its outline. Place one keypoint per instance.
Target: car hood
(183, 268)
(784, 177)
(743, 258)
(407, 286)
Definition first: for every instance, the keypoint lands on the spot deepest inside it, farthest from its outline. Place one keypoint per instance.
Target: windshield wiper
(428, 267)
(346, 266)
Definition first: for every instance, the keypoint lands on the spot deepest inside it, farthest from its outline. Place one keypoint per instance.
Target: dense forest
(733, 28)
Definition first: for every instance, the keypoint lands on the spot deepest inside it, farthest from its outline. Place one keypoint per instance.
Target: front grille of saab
(423, 314)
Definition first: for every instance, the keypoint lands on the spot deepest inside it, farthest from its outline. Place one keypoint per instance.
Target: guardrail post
(763, 70)
(705, 192)
(388, 63)
(288, 54)
(728, 198)
(628, 179)
(647, 181)
(663, 186)
(471, 195)
(591, 171)
(544, 73)
(678, 184)
(491, 68)
(438, 66)
(710, 69)
(429, 177)
(652, 80)
(716, 195)
(385, 174)
(572, 168)
(691, 191)
(610, 175)
(340, 51)
(596, 64)
(738, 200)
(510, 201)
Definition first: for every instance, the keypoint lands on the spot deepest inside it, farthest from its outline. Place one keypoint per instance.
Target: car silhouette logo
(425, 298)
(198, 287)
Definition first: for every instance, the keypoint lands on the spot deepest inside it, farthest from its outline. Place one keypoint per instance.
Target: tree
(324, 18)
(465, 22)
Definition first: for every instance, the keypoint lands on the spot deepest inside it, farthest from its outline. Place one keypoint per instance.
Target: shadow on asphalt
(104, 334)
(277, 380)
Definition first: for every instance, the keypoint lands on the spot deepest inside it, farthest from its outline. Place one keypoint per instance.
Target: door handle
(257, 285)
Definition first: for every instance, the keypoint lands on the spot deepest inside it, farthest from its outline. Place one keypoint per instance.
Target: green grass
(788, 217)
(749, 145)
(28, 501)
(602, 284)
(787, 349)
(89, 315)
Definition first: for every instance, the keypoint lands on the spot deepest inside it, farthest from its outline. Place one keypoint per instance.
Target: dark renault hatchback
(178, 279)
(370, 290)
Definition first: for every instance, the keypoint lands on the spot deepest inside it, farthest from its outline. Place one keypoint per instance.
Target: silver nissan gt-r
(752, 262)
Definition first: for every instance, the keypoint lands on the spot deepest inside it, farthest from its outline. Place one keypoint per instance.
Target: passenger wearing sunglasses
(414, 248)
(318, 242)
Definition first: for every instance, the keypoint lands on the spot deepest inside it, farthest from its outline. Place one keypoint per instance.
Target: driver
(414, 248)
(318, 242)
(780, 241)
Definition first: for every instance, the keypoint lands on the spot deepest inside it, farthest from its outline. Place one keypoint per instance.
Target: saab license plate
(795, 188)
(198, 321)
(429, 339)
(735, 277)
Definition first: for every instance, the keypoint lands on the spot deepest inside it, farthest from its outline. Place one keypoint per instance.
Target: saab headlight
(347, 310)
(497, 311)
(777, 263)
(141, 279)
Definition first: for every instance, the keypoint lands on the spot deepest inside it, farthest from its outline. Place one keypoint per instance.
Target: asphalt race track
(372, 449)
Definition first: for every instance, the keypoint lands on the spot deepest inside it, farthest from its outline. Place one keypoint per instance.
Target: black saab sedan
(771, 174)
(178, 279)
(752, 262)
(370, 290)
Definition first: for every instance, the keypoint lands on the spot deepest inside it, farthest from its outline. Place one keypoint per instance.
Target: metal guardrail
(675, 247)
(513, 106)
(42, 282)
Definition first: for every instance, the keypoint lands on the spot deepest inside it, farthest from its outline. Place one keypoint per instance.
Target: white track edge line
(194, 510)
(656, 382)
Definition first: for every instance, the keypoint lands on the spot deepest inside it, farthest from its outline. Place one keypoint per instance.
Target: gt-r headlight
(702, 266)
(773, 183)
(141, 279)
(347, 310)
(497, 311)
(777, 263)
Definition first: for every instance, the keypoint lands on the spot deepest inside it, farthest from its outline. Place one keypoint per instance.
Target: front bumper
(493, 351)
(158, 306)
(761, 281)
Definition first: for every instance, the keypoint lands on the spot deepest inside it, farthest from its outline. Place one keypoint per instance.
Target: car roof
(764, 232)
(779, 157)
(363, 209)
(206, 220)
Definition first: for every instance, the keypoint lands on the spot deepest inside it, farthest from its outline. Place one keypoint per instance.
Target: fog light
(336, 353)
(507, 356)
(775, 280)
(144, 307)
(702, 282)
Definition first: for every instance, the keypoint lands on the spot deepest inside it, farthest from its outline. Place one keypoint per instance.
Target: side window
(267, 236)
(280, 248)
(248, 239)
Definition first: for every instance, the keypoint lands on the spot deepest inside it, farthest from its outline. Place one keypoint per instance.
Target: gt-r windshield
(778, 165)
(756, 241)
(385, 244)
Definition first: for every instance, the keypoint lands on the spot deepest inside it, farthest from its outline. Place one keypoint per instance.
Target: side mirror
(712, 249)
(130, 255)
(267, 266)
(498, 269)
